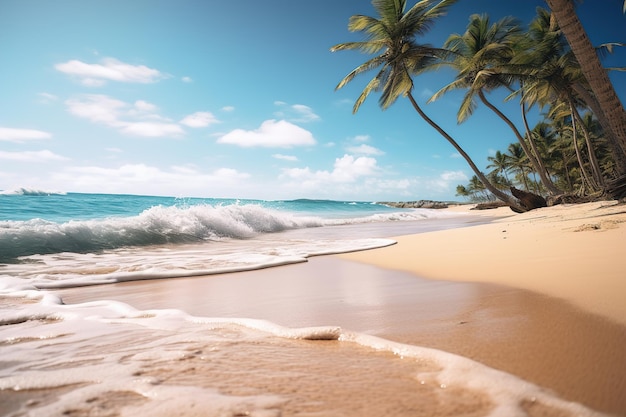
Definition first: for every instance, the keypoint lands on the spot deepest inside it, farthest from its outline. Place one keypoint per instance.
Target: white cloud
(297, 113)
(9, 134)
(129, 178)
(285, 157)
(150, 129)
(271, 134)
(228, 108)
(110, 69)
(187, 79)
(346, 169)
(127, 119)
(454, 176)
(361, 138)
(31, 156)
(366, 150)
(97, 108)
(144, 106)
(455, 155)
(200, 119)
(304, 114)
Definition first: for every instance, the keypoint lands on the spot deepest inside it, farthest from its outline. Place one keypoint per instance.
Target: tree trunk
(537, 165)
(618, 156)
(596, 75)
(542, 171)
(512, 202)
(593, 160)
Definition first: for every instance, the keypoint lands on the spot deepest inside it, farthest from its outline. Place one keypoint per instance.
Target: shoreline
(570, 342)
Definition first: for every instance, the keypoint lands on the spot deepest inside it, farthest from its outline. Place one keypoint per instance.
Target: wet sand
(541, 339)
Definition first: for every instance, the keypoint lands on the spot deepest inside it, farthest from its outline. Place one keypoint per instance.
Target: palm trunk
(511, 201)
(593, 160)
(540, 169)
(583, 172)
(597, 77)
(618, 156)
(537, 165)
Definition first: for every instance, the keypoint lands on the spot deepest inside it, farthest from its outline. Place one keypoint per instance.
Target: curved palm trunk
(618, 156)
(511, 201)
(541, 169)
(593, 160)
(596, 75)
(583, 172)
(536, 163)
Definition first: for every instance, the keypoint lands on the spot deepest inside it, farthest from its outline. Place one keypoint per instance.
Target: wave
(30, 191)
(161, 225)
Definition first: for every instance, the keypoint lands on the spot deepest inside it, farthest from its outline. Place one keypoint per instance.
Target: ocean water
(107, 358)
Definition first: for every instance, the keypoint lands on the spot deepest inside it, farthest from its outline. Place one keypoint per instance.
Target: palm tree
(477, 56)
(614, 115)
(393, 37)
(518, 161)
(554, 80)
(499, 163)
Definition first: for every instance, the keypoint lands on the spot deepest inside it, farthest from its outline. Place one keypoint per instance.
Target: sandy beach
(539, 295)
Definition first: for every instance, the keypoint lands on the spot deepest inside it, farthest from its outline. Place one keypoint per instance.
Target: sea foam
(85, 353)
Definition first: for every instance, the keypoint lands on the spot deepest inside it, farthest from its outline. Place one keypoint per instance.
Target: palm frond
(366, 66)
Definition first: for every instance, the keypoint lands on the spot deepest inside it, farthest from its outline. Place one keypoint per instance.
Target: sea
(109, 358)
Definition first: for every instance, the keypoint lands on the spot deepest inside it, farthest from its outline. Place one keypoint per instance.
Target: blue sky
(232, 99)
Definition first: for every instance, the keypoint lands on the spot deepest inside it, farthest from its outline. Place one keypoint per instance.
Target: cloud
(150, 129)
(285, 157)
(453, 176)
(199, 119)
(271, 134)
(228, 108)
(361, 138)
(366, 150)
(127, 119)
(110, 69)
(297, 113)
(187, 79)
(31, 156)
(144, 106)
(304, 113)
(184, 180)
(9, 134)
(346, 169)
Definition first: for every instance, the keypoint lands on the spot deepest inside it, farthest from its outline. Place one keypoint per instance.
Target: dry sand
(573, 252)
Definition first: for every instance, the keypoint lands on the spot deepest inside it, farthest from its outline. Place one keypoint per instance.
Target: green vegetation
(578, 149)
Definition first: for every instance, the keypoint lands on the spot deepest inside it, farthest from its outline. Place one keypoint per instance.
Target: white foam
(157, 262)
(55, 333)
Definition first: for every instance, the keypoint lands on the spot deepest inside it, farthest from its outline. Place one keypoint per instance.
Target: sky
(234, 99)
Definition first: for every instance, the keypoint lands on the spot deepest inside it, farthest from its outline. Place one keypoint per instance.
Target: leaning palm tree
(477, 56)
(398, 57)
(609, 103)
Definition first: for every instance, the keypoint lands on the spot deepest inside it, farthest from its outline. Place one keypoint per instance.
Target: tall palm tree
(477, 56)
(597, 77)
(399, 57)
(553, 80)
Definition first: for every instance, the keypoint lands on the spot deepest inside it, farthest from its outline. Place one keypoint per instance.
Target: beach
(537, 295)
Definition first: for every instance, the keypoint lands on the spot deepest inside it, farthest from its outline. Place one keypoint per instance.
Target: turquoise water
(34, 222)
